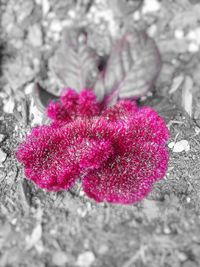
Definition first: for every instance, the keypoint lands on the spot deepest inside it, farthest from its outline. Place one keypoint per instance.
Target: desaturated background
(64, 229)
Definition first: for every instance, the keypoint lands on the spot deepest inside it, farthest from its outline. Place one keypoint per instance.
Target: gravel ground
(68, 229)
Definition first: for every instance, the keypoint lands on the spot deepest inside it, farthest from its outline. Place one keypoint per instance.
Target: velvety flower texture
(118, 152)
(72, 106)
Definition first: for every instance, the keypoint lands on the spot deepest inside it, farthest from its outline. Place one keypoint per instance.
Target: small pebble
(151, 6)
(72, 13)
(14, 221)
(103, 249)
(193, 48)
(29, 88)
(9, 106)
(182, 256)
(85, 259)
(136, 15)
(191, 35)
(3, 156)
(188, 199)
(178, 34)
(181, 146)
(166, 230)
(59, 258)
(56, 26)
(53, 232)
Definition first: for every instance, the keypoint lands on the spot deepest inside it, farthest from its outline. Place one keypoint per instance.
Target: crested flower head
(118, 152)
(73, 105)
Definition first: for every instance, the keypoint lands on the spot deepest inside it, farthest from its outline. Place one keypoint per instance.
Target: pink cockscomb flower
(140, 158)
(73, 105)
(118, 152)
(54, 158)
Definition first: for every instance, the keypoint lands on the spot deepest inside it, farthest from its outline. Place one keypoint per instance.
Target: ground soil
(39, 228)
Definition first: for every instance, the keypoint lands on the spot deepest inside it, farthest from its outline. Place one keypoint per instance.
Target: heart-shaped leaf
(75, 64)
(132, 68)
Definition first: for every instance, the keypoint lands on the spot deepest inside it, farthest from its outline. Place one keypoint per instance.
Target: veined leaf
(132, 68)
(41, 97)
(75, 64)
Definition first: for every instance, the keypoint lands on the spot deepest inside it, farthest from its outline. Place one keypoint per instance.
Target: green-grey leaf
(42, 97)
(75, 64)
(132, 68)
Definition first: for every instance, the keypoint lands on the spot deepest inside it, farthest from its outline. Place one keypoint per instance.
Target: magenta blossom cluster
(118, 152)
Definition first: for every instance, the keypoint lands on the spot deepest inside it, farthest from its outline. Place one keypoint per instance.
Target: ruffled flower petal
(48, 160)
(129, 174)
(54, 158)
(123, 110)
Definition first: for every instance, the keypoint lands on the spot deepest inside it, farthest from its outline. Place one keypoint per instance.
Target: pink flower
(118, 152)
(72, 106)
(54, 158)
(48, 159)
(140, 157)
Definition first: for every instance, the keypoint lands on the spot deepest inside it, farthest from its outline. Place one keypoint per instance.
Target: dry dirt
(68, 229)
